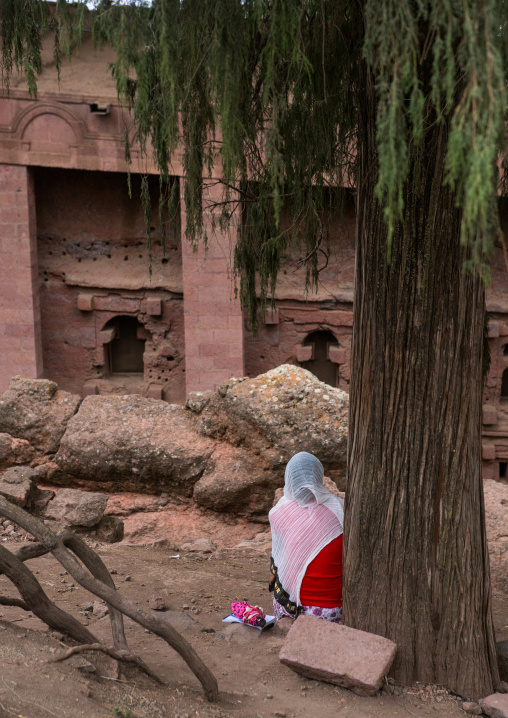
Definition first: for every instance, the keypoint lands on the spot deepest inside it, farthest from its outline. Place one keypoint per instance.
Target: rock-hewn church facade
(79, 306)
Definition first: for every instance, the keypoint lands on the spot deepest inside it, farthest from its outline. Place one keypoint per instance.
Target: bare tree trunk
(416, 559)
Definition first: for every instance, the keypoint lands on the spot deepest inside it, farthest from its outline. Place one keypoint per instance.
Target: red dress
(322, 583)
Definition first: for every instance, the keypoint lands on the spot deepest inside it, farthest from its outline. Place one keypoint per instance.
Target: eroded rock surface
(496, 510)
(134, 444)
(279, 413)
(77, 508)
(14, 451)
(237, 481)
(35, 410)
(17, 484)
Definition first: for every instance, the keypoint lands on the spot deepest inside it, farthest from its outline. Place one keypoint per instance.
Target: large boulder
(277, 414)
(236, 481)
(77, 508)
(34, 410)
(131, 443)
(496, 517)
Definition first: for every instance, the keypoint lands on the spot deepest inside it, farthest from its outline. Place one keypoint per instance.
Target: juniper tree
(405, 101)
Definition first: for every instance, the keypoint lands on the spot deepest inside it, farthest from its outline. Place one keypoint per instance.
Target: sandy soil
(197, 591)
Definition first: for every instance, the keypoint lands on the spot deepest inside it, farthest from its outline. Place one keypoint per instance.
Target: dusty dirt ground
(197, 590)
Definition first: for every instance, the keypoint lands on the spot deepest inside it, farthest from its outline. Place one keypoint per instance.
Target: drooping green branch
(265, 94)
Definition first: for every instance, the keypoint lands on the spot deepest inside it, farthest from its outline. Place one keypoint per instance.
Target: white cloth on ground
(303, 522)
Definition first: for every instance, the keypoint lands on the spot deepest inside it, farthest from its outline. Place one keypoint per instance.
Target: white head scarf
(303, 522)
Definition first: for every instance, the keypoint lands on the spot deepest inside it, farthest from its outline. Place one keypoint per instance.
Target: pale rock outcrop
(277, 414)
(35, 410)
(77, 508)
(496, 512)
(134, 444)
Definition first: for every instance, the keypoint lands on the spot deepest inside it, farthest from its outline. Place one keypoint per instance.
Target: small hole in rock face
(79, 260)
(164, 261)
(140, 256)
(108, 256)
(46, 279)
(170, 358)
(261, 357)
(165, 379)
(125, 259)
(152, 229)
(95, 259)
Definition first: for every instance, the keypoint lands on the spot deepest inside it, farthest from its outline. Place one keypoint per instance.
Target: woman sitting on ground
(306, 560)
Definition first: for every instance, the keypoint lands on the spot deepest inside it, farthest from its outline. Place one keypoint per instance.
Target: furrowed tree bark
(165, 630)
(416, 558)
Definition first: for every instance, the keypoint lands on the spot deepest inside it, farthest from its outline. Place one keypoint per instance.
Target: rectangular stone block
(85, 302)
(488, 452)
(117, 304)
(107, 335)
(338, 654)
(89, 389)
(304, 353)
(489, 414)
(154, 306)
(337, 355)
(493, 329)
(495, 705)
(154, 391)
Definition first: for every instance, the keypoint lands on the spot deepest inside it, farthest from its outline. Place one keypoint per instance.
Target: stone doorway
(124, 353)
(320, 364)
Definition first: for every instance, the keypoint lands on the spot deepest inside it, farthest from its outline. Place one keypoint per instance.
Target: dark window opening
(324, 369)
(124, 353)
(505, 350)
(504, 384)
(502, 469)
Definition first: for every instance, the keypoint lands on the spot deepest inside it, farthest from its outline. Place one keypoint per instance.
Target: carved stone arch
(36, 112)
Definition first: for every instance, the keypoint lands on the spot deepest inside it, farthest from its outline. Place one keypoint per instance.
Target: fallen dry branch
(125, 656)
(39, 603)
(165, 630)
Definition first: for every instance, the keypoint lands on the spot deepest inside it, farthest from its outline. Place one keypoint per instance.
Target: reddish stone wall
(279, 343)
(93, 266)
(328, 307)
(213, 317)
(20, 331)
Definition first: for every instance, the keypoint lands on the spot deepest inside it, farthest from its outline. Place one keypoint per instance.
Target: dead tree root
(97, 580)
(125, 656)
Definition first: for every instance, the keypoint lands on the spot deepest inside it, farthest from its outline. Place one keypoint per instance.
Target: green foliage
(268, 94)
(121, 712)
(436, 61)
